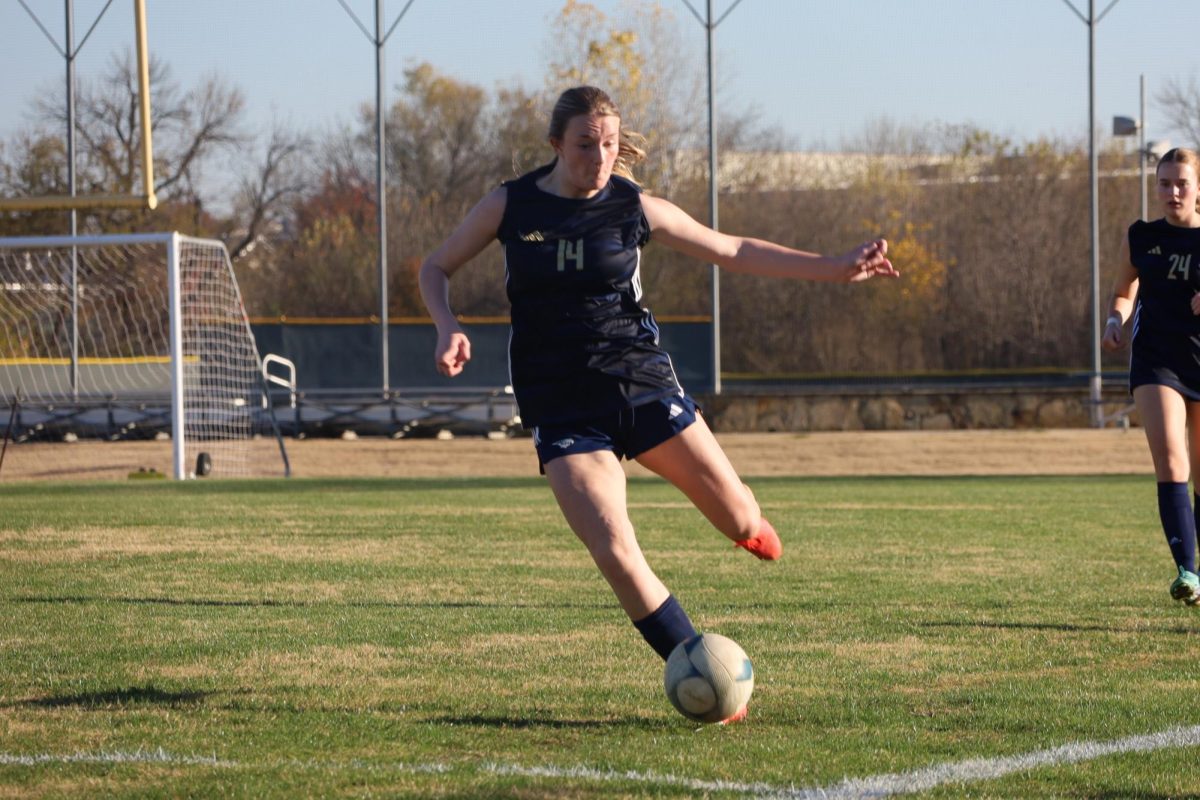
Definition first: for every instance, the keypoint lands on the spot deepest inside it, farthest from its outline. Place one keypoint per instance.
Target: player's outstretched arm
(475, 232)
(676, 229)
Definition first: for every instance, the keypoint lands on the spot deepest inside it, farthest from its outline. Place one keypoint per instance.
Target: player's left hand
(452, 353)
(868, 261)
(1196, 303)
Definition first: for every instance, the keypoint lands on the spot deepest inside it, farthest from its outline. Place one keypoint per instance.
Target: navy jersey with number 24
(1166, 334)
(581, 343)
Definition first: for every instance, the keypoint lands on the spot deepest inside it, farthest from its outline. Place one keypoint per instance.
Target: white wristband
(1115, 320)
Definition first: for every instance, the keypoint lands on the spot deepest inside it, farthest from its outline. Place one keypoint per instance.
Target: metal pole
(381, 191)
(12, 416)
(710, 26)
(1093, 170)
(70, 22)
(175, 340)
(712, 201)
(143, 66)
(1091, 20)
(1142, 155)
(379, 40)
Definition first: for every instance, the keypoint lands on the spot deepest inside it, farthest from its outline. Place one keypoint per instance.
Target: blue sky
(819, 71)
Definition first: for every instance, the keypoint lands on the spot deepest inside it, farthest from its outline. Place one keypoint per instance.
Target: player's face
(587, 152)
(1177, 188)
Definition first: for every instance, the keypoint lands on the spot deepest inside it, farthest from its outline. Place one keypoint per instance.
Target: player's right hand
(868, 261)
(452, 353)
(1112, 338)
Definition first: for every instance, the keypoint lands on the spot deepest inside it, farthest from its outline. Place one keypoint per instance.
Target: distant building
(742, 171)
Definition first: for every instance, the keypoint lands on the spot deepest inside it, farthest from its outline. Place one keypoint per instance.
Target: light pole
(1142, 155)
(69, 54)
(1148, 152)
(710, 27)
(1095, 396)
(378, 39)
(1128, 126)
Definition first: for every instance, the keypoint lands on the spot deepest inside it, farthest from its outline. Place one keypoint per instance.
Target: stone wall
(872, 411)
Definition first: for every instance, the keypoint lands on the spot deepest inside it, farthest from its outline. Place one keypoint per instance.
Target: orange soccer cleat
(765, 544)
(736, 716)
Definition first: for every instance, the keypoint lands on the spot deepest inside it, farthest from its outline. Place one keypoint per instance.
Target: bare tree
(1181, 104)
(264, 196)
(188, 127)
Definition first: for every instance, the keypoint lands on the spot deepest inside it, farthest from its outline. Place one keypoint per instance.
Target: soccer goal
(134, 335)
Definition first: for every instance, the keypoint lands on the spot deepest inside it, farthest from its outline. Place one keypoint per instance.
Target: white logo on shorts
(563, 444)
(676, 410)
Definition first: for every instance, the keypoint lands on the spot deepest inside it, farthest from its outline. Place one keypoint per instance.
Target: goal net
(133, 336)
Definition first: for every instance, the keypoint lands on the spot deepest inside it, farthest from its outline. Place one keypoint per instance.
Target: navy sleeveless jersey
(1167, 259)
(581, 344)
(1166, 334)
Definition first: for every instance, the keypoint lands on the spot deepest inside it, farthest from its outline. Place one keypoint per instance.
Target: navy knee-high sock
(667, 626)
(1196, 520)
(1178, 522)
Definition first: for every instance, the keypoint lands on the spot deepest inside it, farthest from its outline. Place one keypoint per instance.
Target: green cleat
(1186, 587)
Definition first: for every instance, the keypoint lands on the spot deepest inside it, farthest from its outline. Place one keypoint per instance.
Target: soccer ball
(708, 677)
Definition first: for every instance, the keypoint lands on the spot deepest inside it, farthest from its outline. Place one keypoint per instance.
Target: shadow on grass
(273, 486)
(1065, 627)
(133, 696)
(268, 603)
(536, 722)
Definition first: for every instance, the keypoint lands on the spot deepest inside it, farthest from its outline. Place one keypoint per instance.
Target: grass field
(991, 637)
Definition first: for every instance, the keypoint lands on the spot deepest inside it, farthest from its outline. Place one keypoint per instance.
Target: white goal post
(151, 325)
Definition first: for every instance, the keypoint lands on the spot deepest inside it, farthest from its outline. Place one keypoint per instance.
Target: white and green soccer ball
(708, 677)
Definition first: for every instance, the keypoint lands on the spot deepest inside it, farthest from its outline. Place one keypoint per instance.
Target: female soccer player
(1160, 266)
(587, 370)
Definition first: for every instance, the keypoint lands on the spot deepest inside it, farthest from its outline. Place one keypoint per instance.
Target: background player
(1159, 265)
(587, 370)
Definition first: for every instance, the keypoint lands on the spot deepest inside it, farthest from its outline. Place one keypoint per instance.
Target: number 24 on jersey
(1181, 265)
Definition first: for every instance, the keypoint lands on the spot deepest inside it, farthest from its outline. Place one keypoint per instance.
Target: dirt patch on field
(1047, 452)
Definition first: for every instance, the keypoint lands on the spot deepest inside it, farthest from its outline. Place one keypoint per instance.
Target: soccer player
(1160, 267)
(587, 370)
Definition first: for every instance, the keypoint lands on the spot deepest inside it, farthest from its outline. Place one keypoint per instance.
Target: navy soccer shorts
(1166, 362)
(627, 433)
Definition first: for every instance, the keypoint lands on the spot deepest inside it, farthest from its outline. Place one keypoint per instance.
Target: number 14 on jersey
(573, 251)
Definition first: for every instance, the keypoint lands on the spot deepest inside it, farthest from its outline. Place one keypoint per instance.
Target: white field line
(887, 785)
(982, 769)
(158, 756)
(975, 769)
(631, 776)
